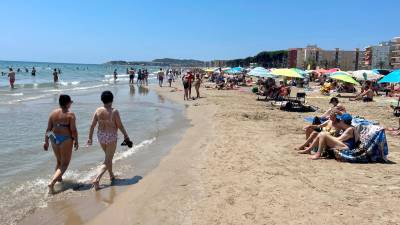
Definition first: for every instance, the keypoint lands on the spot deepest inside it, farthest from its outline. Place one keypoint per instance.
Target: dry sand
(236, 165)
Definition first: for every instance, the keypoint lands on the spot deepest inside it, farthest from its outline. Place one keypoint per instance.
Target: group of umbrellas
(336, 74)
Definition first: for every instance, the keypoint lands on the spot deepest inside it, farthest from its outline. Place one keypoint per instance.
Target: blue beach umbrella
(393, 77)
(235, 70)
(260, 72)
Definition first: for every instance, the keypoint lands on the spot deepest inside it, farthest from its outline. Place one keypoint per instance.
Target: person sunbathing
(366, 96)
(348, 140)
(312, 131)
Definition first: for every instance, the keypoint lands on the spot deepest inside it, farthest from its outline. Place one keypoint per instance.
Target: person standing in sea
(109, 122)
(139, 77)
(61, 131)
(33, 72)
(11, 76)
(115, 75)
(160, 76)
(55, 76)
(146, 77)
(131, 73)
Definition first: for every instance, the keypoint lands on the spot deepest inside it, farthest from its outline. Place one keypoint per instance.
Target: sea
(155, 124)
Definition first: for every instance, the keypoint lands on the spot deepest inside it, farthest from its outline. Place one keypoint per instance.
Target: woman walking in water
(61, 130)
(109, 122)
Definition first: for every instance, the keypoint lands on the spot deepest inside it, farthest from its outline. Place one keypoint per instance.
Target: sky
(97, 31)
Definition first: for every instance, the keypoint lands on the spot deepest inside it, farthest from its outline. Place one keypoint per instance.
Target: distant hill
(162, 62)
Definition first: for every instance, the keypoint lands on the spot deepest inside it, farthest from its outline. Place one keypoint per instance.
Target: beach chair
(300, 98)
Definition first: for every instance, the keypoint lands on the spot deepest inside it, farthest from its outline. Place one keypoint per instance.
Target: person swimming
(109, 122)
(61, 131)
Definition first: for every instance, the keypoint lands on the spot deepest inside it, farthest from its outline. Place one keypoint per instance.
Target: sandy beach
(236, 165)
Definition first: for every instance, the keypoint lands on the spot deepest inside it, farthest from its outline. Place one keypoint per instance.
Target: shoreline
(174, 182)
(64, 206)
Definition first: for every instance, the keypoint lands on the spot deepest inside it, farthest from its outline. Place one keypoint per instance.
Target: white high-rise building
(381, 56)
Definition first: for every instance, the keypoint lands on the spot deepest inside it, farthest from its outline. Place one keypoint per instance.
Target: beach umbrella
(226, 68)
(393, 77)
(366, 75)
(287, 73)
(260, 72)
(237, 68)
(340, 73)
(344, 77)
(234, 70)
(210, 69)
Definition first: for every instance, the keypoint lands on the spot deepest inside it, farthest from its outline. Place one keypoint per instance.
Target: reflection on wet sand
(132, 90)
(143, 90)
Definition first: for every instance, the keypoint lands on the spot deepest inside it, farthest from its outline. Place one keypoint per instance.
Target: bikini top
(351, 143)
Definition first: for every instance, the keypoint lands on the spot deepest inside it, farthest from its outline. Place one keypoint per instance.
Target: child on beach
(61, 130)
(109, 122)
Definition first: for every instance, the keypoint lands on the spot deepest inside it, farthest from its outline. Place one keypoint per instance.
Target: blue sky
(90, 31)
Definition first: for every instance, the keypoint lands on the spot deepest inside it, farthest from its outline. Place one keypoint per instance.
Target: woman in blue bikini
(348, 140)
(61, 131)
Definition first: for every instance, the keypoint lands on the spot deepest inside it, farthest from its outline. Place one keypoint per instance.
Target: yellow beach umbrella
(209, 70)
(287, 73)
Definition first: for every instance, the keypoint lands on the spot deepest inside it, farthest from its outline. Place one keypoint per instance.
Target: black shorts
(131, 77)
(367, 99)
(186, 85)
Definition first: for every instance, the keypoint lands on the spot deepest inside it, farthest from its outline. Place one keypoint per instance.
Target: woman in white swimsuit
(107, 134)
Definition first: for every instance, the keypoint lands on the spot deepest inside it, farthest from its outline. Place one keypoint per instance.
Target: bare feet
(305, 151)
(51, 188)
(316, 156)
(96, 185)
(300, 148)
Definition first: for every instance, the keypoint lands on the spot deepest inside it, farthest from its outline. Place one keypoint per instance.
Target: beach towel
(373, 148)
(355, 122)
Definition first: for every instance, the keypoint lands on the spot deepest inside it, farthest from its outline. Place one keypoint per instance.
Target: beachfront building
(395, 53)
(367, 60)
(313, 57)
(377, 57)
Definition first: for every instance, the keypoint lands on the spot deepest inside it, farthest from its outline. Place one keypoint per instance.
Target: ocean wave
(133, 150)
(118, 76)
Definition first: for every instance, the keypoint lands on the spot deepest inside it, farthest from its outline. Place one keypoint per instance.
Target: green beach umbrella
(345, 77)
